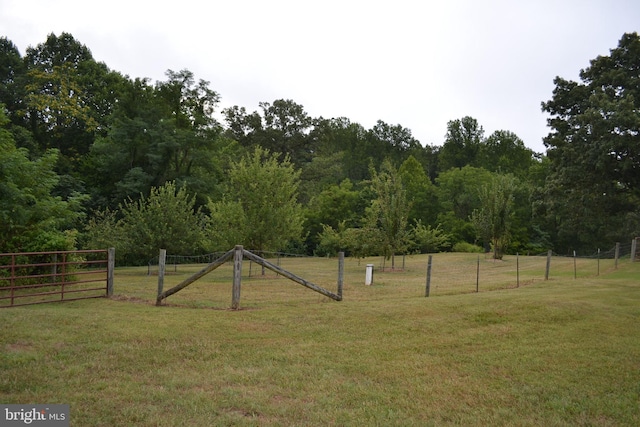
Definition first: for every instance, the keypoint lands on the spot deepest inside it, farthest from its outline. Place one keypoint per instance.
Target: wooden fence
(238, 254)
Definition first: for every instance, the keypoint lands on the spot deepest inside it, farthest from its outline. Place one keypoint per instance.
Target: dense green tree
(119, 164)
(458, 196)
(117, 138)
(159, 134)
(31, 218)
(388, 215)
(504, 152)
(68, 95)
(12, 94)
(191, 105)
(336, 205)
(340, 135)
(462, 144)
(421, 192)
(241, 125)
(259, 209)
(187, 152)
(429, 239)
(357, 242)
(493, 219)
(320, 173)
(594, 150)
(392, 142)
(165, 219)
(428, 158)
(287, 128)
(281, 127)
(12, 74)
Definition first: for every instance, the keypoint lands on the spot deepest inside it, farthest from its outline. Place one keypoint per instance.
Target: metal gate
(41, 277)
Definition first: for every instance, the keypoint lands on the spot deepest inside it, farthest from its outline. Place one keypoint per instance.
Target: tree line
(92, 158)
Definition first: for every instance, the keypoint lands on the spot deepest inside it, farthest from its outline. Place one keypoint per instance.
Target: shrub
(427, 239)
(466, 247)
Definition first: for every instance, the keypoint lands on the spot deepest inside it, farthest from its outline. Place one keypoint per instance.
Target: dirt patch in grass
(18, 347)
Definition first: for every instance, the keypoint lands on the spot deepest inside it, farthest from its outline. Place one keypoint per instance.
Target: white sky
(415, 63)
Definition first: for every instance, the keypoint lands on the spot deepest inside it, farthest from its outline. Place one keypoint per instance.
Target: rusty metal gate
(41, 277)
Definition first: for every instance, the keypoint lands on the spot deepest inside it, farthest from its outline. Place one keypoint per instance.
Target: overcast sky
(415, 63)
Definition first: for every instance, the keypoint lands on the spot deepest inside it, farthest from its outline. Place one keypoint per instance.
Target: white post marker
(368, 278)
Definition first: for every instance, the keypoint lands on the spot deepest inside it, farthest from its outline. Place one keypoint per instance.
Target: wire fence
(451, 276)
(413, 275)
(175, 263)
(486, 274)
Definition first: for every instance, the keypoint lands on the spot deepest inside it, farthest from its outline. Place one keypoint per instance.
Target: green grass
(558, 352)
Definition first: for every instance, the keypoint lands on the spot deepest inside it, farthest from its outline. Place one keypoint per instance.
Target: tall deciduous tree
(493, 219)
(392, 142)
(337, 205)
(504, 152)
(68, 95)
(458, 196)
(594, 149)
(31, 219)
(12, 73)
(158, 134)
(421, 192)
(259, 209)
(186, 152)
(462, 144)
(282, 127)
(389, 212)
(340, 135)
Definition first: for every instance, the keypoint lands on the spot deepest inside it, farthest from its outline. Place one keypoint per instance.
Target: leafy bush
(166, 219)
(330, 241)
(466, 247)
(427, 239)
(355, 242)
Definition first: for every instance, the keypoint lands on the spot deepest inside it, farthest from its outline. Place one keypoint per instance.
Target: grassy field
(560, 352)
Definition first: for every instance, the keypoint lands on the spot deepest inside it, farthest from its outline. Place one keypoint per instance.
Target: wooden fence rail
(238, 254)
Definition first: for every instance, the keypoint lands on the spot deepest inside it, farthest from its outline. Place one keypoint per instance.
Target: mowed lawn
(565, 351)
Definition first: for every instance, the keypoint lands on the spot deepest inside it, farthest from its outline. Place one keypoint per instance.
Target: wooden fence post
(340, 273)
(111, 264)
(634, 243)
(428, 276)
(517, 270)
(237, 277)
(617, 254)
(162, 260)
(546, 271)
(478, 276)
